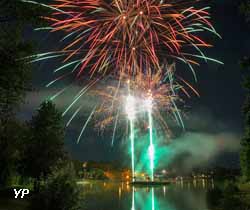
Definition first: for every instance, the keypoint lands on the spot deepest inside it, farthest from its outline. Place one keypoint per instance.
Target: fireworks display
(128, 43)
(139, 101)
(157, 94)
(130, 36)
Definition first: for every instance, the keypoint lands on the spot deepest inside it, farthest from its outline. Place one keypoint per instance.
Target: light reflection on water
(122, 196)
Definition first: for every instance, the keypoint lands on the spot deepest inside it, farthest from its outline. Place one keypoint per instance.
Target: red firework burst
(130, 36)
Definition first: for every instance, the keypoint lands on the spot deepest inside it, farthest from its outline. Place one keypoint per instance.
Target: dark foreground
(123, 196)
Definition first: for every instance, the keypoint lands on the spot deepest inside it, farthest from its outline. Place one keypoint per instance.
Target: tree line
(31, 152)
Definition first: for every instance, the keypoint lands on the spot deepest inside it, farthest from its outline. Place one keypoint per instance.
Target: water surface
(122, 196)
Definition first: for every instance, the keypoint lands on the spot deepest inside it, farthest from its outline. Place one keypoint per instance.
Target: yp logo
(22, 191)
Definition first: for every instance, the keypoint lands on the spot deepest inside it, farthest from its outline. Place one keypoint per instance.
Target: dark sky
(216, 112)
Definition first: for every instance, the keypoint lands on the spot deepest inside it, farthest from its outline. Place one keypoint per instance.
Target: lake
(122, 196)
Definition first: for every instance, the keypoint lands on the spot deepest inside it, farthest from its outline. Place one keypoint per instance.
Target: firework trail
(130, 110)
(149, 104)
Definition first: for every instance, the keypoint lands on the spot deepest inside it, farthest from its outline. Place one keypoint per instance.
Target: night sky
(216, 113)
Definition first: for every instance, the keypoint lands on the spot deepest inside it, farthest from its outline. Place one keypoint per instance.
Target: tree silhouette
(245, 141)
(44, 145)
(15, 75)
